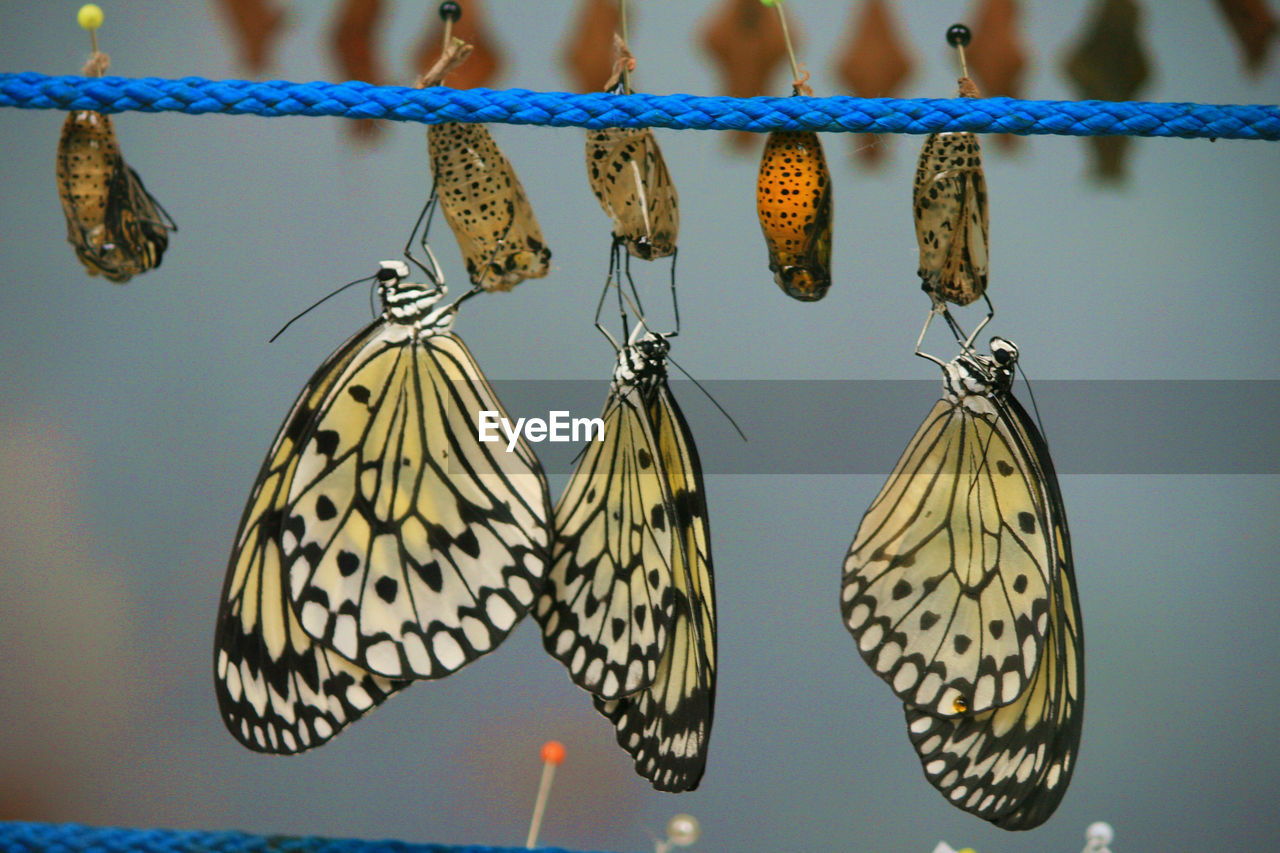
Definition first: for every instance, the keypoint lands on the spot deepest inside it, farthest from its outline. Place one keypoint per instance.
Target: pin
(552, 757)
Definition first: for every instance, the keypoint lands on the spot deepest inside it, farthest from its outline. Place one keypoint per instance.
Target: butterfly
(116, 227)
(960, 593)
(382, 542)
(486, 206)
(629, 605)
(793, 203)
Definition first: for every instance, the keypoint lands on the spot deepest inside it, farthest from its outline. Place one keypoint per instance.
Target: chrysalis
(950, 207)
(630, 179)
(793, 202)
(116, 228)
(482, 198)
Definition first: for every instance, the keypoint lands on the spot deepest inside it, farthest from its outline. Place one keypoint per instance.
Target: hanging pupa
(115, 226)
(793, 203)
(950, 207)
(630, 179)
(482, 198)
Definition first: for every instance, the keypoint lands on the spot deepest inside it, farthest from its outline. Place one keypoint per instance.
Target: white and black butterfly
(383, 541)
(629, 605)
(960, 593)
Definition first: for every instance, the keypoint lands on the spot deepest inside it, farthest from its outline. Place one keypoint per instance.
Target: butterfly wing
(950, 207)
(667, 725)
(1012, 765)
(629, 177)
(135, 223)
(412, 547)
(486, 207)
(278, 690)
(947, 583)
(607, 606)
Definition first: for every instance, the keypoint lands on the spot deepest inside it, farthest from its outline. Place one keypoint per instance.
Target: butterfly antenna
(1034, 408)
(713, 400)
(316, 304)
(552, 757)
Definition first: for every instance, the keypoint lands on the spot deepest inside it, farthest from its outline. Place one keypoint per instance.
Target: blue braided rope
(16, 837)
(196, 95)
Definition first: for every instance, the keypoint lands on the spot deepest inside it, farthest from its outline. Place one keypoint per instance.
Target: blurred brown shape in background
(874, 65)
(1109, 63)
(588, 54)
(256, 26)
(997, 60)
(744, 38)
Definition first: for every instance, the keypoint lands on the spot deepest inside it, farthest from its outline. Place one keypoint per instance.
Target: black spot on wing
(327, 441)
(468, 543)
(348, 563)
(430, 575)
(325, 509)
(386, 588)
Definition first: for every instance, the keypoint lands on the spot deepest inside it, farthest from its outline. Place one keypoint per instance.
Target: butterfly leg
(431, 267)
(933, 312)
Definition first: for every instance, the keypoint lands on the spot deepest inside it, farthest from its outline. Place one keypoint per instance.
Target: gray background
(134, 418)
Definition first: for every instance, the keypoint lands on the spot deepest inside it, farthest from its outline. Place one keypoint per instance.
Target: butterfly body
(630, 180)
(793, 202)
(629, 605)
(960, 593)
(382, 542)
(486, 206)
(116, 228)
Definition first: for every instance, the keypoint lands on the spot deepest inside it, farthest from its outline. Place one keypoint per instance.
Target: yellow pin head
(89, 17)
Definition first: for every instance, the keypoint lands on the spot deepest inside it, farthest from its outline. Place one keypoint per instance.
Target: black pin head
(958, 35)
(450, 11)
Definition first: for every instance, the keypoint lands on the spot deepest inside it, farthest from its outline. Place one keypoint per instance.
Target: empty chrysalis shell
(950, 208)
(632, 184)
(486, 207)
(793, 201)
(116, 228)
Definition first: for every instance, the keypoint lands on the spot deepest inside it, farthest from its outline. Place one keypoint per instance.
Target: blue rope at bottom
(20, 837)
